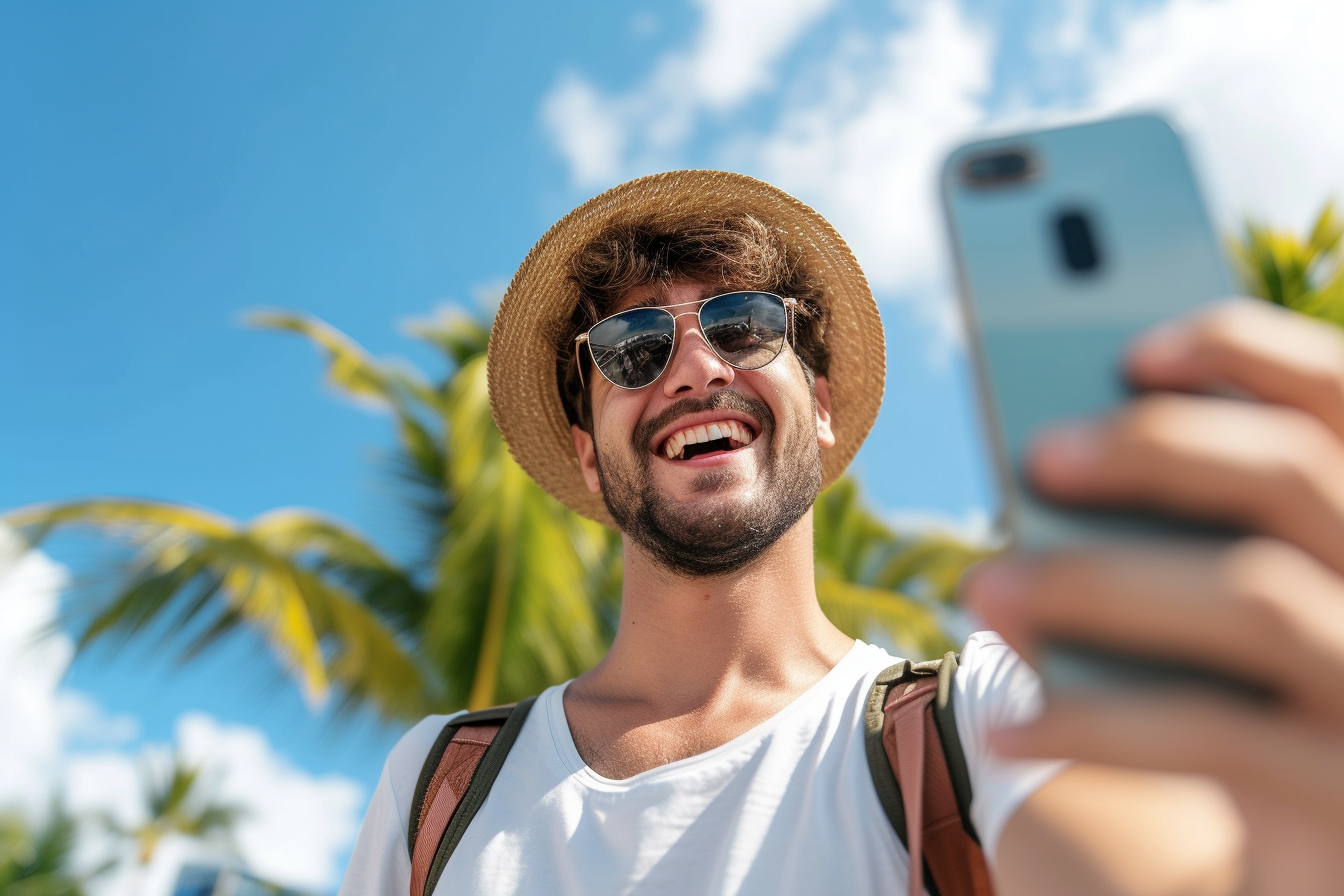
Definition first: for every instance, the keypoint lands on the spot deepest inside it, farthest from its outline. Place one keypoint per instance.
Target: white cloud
(30, 672)
(1257, 84)
(732, 58)
(297, 827)
(299, 824)
(860, 137)
(83, 720)
(1073, 33)
(860, 132)
(740, 42)
(866, 150)
(587, 128)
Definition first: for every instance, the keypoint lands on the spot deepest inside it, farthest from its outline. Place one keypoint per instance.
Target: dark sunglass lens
(747, 329)
(632, 348)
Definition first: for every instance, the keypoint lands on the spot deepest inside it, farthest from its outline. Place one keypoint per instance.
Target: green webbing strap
(945, 720)
(479, 788)
(884, 778)
(431, 763)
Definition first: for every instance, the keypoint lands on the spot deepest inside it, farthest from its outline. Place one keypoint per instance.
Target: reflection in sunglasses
(632, 348)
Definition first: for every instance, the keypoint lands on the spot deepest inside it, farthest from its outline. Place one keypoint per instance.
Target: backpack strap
(454, 781)
(921, 778)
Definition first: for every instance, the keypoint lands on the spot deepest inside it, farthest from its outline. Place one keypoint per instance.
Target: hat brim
(535, 311)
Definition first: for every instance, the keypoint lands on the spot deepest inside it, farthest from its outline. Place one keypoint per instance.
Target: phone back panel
(1049, 322)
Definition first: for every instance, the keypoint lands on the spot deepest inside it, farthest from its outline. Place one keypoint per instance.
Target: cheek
(616, 413)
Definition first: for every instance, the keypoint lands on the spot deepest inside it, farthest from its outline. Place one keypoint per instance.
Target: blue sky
(166, 168)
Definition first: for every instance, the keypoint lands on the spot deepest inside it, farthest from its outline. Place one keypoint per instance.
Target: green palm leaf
(512, 605)
(352, 371)
(871, 580)
(203, 573)
(862, 611)
(1303, 274)
(37, 859)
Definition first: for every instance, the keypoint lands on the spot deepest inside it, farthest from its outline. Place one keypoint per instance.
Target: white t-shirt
(786, 808)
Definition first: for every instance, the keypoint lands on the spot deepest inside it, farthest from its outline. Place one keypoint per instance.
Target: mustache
(723, 400)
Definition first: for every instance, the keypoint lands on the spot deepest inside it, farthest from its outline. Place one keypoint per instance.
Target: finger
(1251, 347)
(1267, 468)
(1260, 610)
(1266, 753)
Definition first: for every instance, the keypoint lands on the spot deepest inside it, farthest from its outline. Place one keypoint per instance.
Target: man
(690, 357)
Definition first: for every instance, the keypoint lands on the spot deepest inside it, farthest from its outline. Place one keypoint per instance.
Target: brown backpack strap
(932, 804)
(454, 781)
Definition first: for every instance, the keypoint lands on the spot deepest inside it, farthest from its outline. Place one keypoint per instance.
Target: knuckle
(1257, 574)
(1310, 454)
(1154, 421)
(1327, 376)
(1229, 324)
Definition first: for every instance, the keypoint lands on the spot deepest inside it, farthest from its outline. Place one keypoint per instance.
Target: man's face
(706, 501)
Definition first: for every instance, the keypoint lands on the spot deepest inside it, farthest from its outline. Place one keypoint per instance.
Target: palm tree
(1303, 274)
(176, 802)
(873, 582)
(514, 593)
(36, 857)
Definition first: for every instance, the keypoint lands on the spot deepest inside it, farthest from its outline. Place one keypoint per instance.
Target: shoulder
(991, 672)
(402, 769)
(379, 862)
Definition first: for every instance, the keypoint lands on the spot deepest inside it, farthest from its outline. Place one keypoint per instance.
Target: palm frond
(511, 611)
(354, 372)
(1303, 274)
(289, 576)
(460, 336)
(38, 858)
(870, 579)
(862, 611)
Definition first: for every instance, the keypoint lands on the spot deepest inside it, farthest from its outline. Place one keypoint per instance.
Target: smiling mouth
(693, 441)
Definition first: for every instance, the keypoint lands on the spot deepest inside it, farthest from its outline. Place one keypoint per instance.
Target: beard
(700, 540)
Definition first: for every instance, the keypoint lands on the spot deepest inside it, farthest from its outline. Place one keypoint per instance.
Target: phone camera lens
(997, 168)
(1077, 242)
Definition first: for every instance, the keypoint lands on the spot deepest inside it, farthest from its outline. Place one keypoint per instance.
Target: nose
(694, 367)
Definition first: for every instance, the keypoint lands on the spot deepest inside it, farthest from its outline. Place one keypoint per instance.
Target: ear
(825, 437)
(583, 448)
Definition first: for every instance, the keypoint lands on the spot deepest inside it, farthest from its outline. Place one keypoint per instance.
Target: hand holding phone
(1269, 607)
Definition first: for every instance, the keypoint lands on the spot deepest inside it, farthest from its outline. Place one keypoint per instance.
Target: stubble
(712, 538)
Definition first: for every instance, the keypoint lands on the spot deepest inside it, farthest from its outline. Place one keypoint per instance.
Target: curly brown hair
(739, 252)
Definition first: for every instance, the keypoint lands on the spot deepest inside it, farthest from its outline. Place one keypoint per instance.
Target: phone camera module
(997, 168)
(1077, 241)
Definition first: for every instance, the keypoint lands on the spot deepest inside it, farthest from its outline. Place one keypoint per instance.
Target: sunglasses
(632, 348)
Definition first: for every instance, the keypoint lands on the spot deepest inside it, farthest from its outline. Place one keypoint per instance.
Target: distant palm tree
(1306, 275)
(176, 802)
(36, 857)
(514, 591)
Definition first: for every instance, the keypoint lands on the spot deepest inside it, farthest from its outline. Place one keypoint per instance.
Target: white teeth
(692, 435)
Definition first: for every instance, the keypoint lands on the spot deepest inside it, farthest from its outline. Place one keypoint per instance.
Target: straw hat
(535, 310)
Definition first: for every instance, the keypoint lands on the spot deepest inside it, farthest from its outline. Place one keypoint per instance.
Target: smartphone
(1069, 242)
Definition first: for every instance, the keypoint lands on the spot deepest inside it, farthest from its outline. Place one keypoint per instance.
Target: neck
(689, 642)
